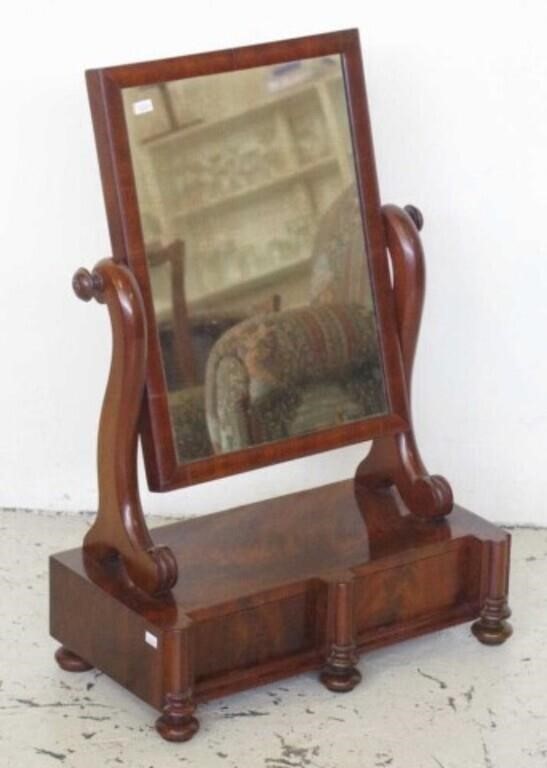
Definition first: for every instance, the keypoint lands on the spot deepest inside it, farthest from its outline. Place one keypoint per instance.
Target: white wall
(458, 96)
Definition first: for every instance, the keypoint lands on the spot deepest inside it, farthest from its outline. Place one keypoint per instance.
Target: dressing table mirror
(264, 306)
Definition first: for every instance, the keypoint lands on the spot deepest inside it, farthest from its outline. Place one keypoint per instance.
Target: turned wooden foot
(339, 674)
(492, 628)
(176, 723)
(70, 662)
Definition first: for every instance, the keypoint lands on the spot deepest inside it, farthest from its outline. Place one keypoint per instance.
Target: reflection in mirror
(254, 240)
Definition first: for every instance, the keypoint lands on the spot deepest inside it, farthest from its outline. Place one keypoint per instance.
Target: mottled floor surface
(443, 701)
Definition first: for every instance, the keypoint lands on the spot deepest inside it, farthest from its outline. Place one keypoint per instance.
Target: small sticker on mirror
(151, 639)
(143, 106)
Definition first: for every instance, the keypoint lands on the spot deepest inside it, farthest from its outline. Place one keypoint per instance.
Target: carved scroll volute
(120, 528)
(395, 459)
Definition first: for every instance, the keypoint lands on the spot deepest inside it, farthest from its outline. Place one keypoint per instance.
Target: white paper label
(143, 106)
(151, 639)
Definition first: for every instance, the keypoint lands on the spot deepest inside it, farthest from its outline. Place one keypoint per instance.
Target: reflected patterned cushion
(283, 373)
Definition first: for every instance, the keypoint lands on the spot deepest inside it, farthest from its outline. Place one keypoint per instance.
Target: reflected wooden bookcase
(286, 153)
(243, 205)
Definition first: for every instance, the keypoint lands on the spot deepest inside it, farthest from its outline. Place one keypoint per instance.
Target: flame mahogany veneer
(275, 588)
(218, 604)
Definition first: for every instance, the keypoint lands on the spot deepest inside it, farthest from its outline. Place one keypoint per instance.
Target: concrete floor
(443, 701)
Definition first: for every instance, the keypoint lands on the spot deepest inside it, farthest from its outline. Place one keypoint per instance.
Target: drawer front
(423, 588)
(277, 629)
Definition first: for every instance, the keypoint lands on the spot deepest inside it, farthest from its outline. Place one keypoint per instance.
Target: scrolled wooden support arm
(120, 529)
(395, 459)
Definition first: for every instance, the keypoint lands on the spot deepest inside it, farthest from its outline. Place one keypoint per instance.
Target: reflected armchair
(278, 375)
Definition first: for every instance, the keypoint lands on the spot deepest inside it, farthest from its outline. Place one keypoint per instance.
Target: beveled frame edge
(163, 470)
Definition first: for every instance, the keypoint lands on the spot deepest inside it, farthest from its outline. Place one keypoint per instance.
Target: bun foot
(70, 662)
(492, 633)
(492, 628)
(340, 680)
(177, 723)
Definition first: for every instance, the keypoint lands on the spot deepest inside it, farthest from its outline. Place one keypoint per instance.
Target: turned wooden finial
(87, 285)
(416, 215)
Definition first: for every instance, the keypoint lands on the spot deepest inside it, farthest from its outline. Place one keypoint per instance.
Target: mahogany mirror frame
(164, 472)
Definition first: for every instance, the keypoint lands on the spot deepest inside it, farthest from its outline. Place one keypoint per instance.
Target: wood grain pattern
(233, 600)
(256, 591)
(120, 530)
(164, 472)
(395, 459)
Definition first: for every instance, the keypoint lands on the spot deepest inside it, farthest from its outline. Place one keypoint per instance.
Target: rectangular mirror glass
(253, 234)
